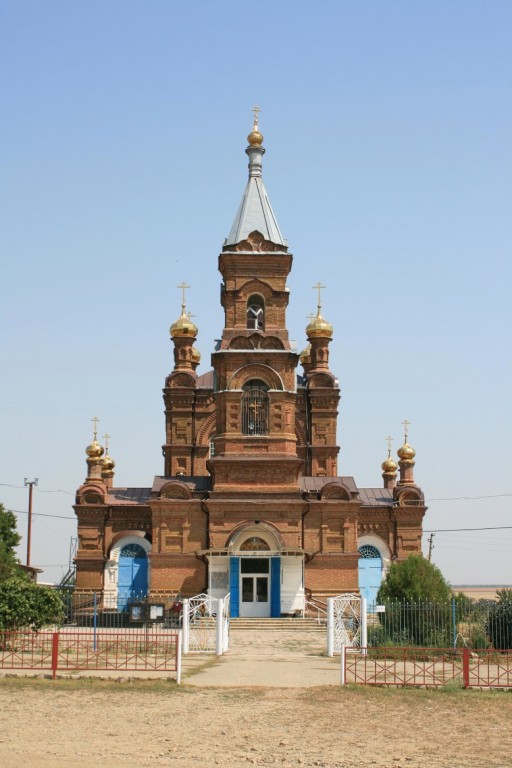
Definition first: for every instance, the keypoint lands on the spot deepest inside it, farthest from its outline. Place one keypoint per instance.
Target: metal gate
(344, 622)
(206, 624)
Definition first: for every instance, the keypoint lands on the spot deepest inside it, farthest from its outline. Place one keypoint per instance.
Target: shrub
(26, 605)
(499, 622)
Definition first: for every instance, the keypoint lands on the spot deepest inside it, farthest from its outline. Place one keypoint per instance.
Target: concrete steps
(276, 625)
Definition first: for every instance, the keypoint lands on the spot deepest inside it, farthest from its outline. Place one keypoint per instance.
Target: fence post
(178, 657)
(454, 620)
(55, 654)
(185, 626)
(343, 653)
(330, 626)
(95, 620)
(219, 635)
(465, 667)
(364, 625)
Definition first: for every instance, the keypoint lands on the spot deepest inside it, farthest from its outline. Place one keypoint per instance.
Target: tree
(27, 605)
(418, 604)
(415, 579)
(9, 540)
(23, 603)
(499, 621)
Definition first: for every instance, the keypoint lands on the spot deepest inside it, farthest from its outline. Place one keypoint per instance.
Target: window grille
(255, 409)
(133, 550)
(366, 551)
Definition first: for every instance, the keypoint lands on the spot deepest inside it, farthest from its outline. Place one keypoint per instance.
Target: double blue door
(132, 575)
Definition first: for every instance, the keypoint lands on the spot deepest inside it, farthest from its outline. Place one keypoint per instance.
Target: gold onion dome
(319, 328)
(255, 138)
(183, 326)
(305, 355)
(406, 452)
(390, 466)
(94, 450)
(108, 463)
(196, 355)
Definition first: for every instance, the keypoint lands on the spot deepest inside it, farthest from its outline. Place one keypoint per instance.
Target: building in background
(250, 501)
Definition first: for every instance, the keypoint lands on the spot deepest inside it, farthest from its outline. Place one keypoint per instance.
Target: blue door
(234, 586)
(275, 587)
(132, 575)
(370, 573)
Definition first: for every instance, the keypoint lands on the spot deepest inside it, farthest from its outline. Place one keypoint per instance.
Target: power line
(451, 530)
(470, 498)
(40, 514)
(40, 490)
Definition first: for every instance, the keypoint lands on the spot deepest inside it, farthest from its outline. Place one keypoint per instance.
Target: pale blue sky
(387, 126)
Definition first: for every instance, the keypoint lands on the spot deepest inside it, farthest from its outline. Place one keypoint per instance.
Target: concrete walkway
(277, 659)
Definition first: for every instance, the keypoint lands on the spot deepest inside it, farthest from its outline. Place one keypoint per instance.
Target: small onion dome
(319, 328)
(255, 138)
(108, 463)
(389, 466)
(94, 450)
(406, 452)
(196, 355)
(183, 327)
(305, 355)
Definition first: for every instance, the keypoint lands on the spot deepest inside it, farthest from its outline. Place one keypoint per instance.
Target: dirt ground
(96, 723)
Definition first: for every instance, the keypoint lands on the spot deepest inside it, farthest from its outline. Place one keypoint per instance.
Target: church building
(250, 501)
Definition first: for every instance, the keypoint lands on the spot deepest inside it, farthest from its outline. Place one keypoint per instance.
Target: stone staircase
(277, 625)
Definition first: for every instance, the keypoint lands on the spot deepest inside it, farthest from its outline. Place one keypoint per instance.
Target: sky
(387, 128)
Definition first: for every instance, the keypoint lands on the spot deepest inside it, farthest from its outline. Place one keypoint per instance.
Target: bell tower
(254, 366)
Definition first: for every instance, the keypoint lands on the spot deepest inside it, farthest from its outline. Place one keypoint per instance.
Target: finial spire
(389, 440)
(183, 287)
(95, 420)
(106, 438)
(319, 287)
(406, 429)
(256, 111)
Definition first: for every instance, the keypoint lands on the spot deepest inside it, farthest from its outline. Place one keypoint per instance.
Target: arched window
(255, 408)
(368, 552)
(255, 313)
(254, 544)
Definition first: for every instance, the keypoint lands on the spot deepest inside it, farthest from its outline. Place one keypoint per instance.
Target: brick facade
(252, 443)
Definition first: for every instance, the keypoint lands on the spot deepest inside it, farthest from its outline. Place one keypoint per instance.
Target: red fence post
(55, 654)
(465, 667)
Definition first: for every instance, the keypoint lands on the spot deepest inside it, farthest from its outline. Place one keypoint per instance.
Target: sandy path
(45, 724)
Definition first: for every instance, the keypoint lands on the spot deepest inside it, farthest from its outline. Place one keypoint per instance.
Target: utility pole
(430, 546)
(30, 484)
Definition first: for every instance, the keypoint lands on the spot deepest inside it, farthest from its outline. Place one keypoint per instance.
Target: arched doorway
(127, 571)
(255, 573)
(132, 580)
(370, 573)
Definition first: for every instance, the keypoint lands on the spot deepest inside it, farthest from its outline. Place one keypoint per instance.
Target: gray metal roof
(255, 211)
(376, 497)
(128, 495)
(316, 483)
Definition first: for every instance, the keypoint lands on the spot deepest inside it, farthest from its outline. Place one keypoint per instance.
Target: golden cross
(389, 440)
(318, 287)
(256, 110)
(95, 420)
(311, 316)
(106, 438)
(406, 429)
(183, 287)
(255, 407)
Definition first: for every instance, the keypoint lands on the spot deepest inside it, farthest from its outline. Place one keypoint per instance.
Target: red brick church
(250, 501)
